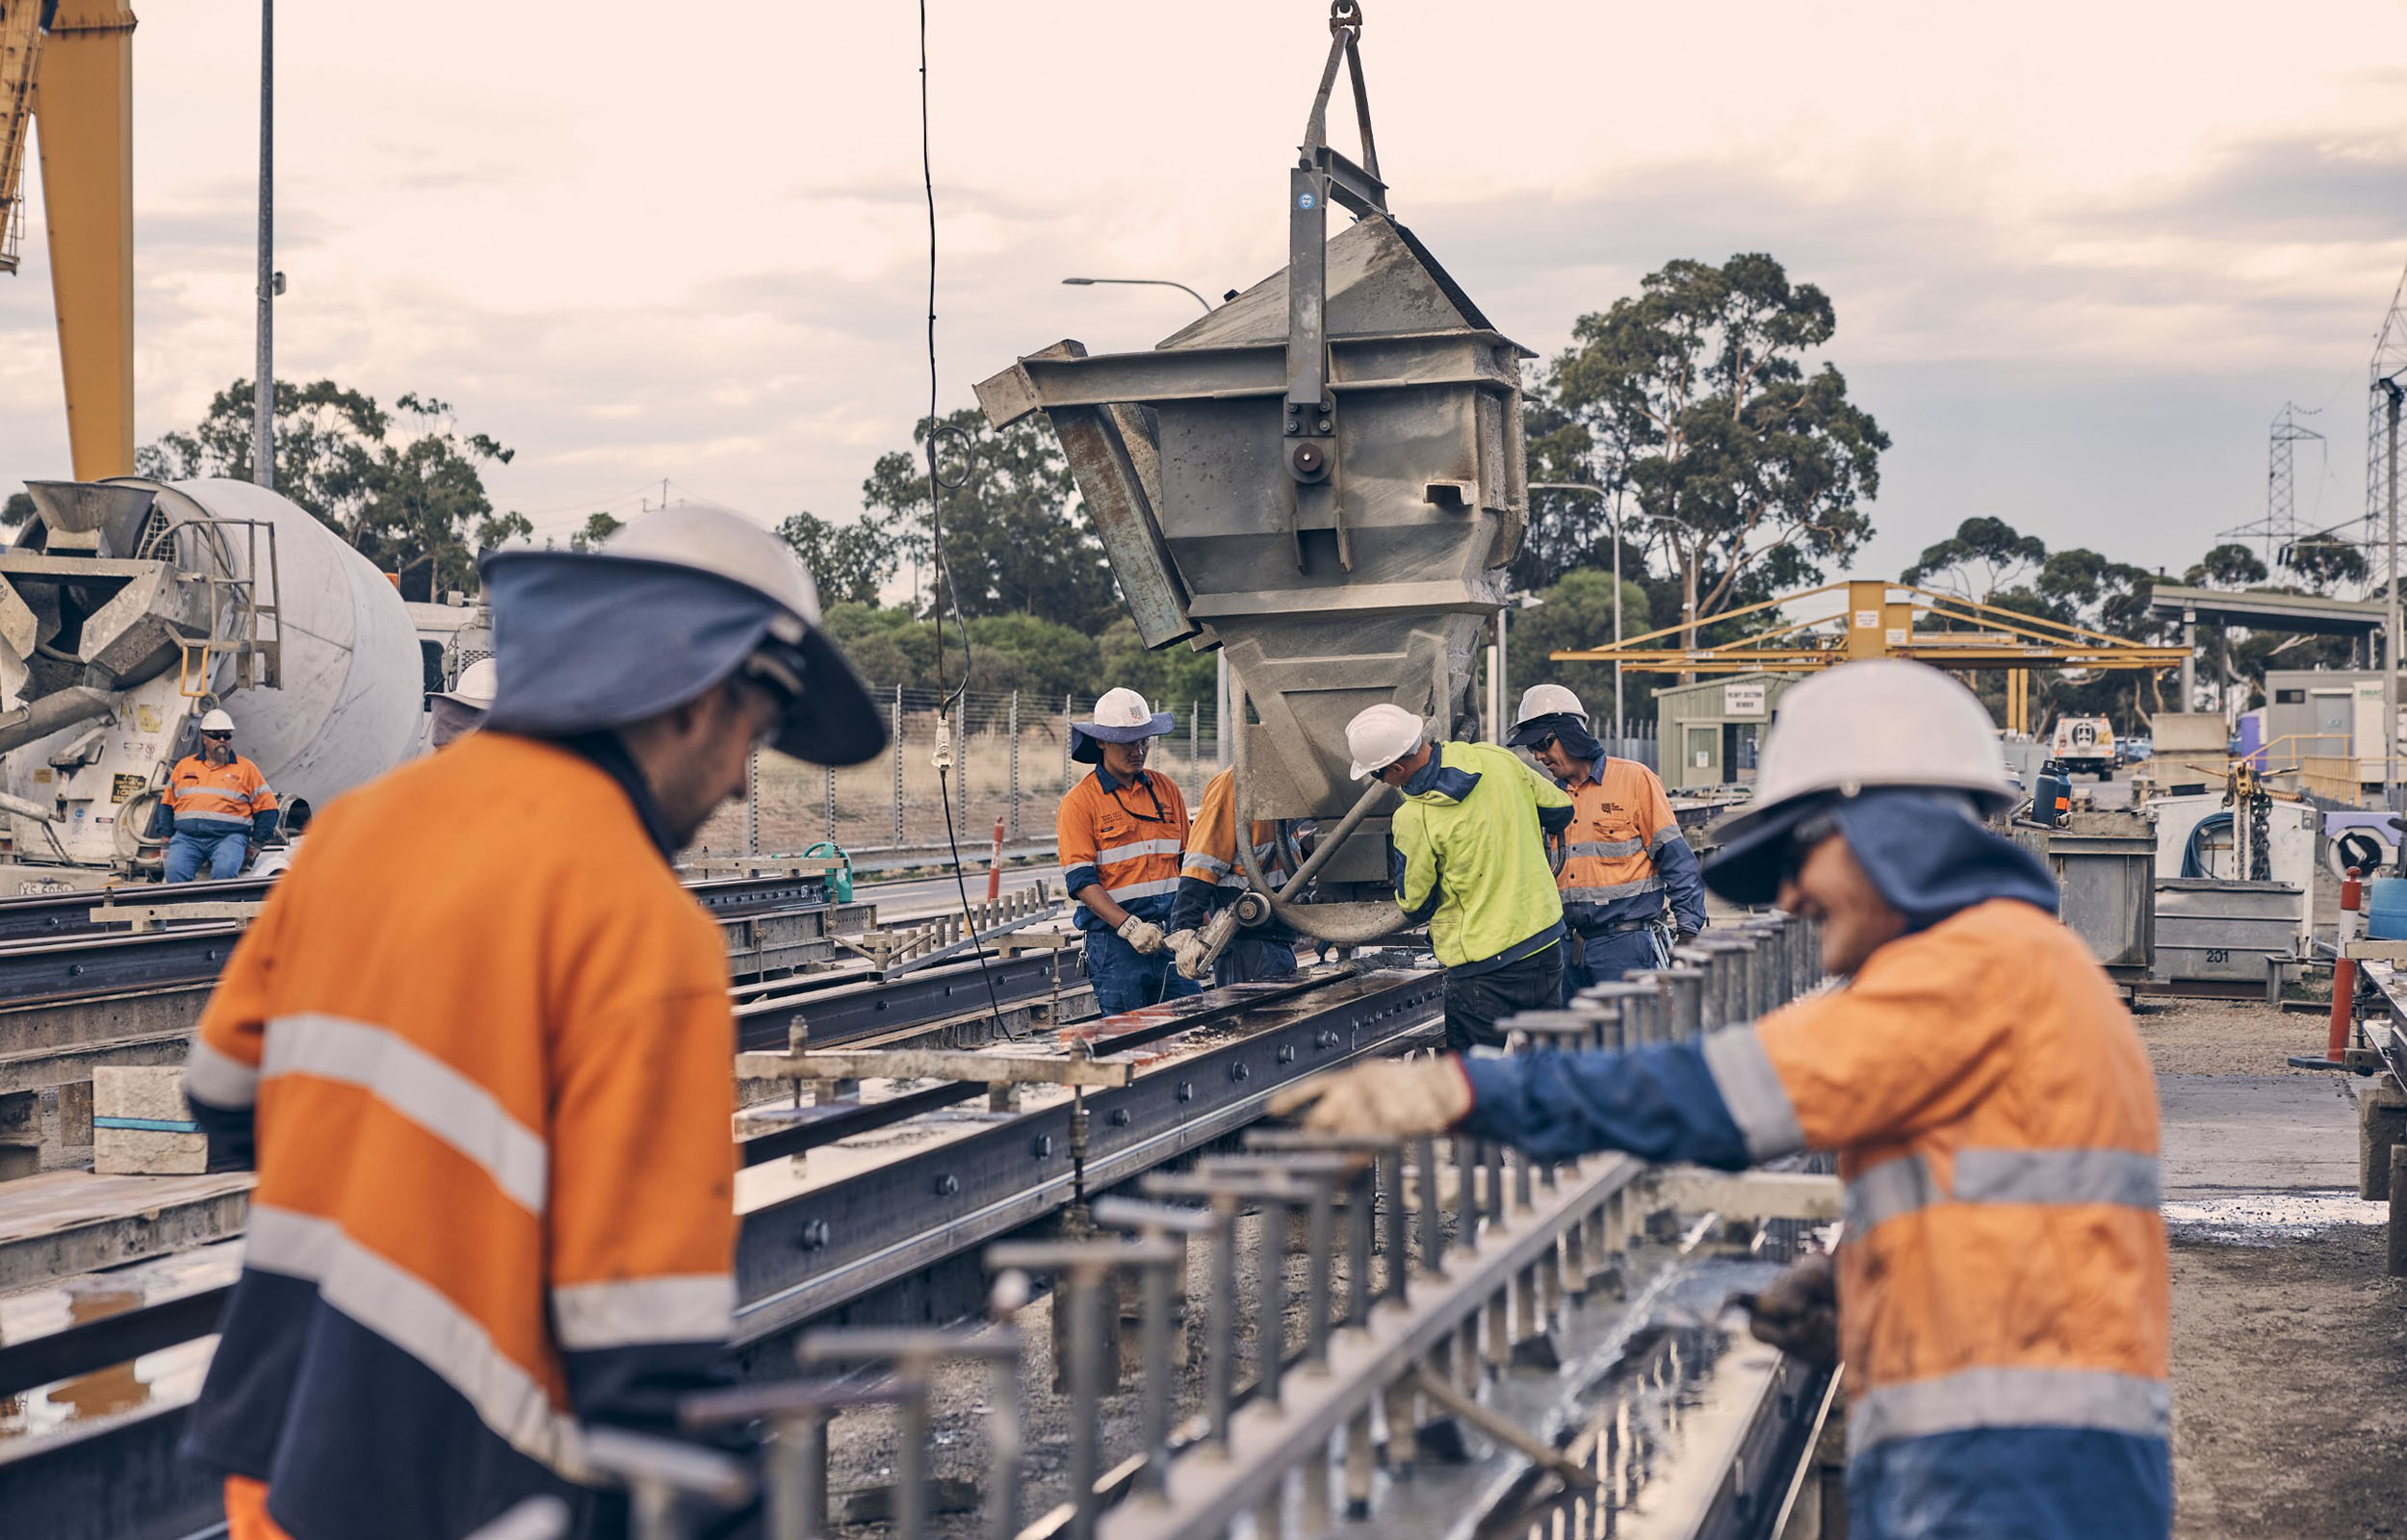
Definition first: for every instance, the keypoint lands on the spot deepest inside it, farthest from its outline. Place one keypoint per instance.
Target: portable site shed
(1711, 730)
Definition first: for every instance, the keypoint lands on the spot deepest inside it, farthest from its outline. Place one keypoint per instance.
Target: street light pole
(263, 378)
(2391, 607)
(1612, 511)
(1162, 283)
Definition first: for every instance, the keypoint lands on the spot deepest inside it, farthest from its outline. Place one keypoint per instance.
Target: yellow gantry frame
(1876, 625)
(78, 83)
(20, 56)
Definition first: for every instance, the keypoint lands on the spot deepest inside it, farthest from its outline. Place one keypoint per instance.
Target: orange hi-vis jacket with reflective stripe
(489, 1075)
(225, 795)
(1623, 848)
(2004, 1306)
(1996, 1122)
(1210, 876)
(1211, 853)
(1126, 836)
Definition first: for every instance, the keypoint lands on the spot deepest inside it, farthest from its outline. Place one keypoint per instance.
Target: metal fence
(1011, 757)
(1009, 754)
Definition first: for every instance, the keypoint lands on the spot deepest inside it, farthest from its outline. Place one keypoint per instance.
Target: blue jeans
(1606, 959)
(1255, 959)
(1126, 979)
(220, 848)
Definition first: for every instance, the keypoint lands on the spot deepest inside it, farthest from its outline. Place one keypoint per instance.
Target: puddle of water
(2269, 1219)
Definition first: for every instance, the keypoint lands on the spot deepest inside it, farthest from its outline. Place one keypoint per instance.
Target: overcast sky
(2080, 253)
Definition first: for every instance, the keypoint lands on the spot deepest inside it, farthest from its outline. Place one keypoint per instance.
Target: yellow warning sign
(122, 787)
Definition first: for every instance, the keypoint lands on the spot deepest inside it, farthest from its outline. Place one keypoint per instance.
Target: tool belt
(1623, 927)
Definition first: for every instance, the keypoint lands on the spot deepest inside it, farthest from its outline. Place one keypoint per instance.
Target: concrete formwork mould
(1344, 550)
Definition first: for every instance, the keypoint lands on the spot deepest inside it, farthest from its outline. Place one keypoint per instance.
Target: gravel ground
(2289, 1344)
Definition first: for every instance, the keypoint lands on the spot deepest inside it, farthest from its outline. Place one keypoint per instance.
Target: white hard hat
(1380, 735)
(1885, 722)
(684, 599)
(697, 534)
(1549, 700)
(1119, 716)
(216, 722)
(476, 687)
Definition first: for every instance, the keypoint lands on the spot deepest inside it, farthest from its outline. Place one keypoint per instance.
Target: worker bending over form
(486, 1076)
(1211, 878)
(1629, 883)
(2000, 1293)
(1470, 859)
(1121, 833)
(223, 808)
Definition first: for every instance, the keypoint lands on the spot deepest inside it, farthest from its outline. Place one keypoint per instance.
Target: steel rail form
(820, 1249)
(828, 1245)
(190, 1310)
(50, 949)
(1682, 1432)
(68, 912)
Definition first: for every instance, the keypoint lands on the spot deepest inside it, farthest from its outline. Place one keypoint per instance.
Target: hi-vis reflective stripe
(693, 1307)
(1611, 849)
(1607, 894)
(1204, 868)
(1142, 847)
(1750, 1088)
(418, 1318)
(1122, 892)
(217, 1080)
(2085, 1175)
(2093, 1399)
(189, 815)
(420, 1087)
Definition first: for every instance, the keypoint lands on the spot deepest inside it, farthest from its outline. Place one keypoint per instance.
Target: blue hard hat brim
(1745, 868)
(1115, 734)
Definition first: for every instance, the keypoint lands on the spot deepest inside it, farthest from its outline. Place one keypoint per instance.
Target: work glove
(1798, 1312)
(1386, 1096)
(1193, 954)
(1143, 935)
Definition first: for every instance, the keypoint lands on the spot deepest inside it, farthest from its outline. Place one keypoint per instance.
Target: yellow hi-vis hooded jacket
(1470, 845)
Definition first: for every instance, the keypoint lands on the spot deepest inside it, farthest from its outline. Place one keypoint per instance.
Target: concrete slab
(2257, 1134)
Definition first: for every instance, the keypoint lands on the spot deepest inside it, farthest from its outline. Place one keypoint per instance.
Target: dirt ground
(2289, 1389)
(2289, 1344)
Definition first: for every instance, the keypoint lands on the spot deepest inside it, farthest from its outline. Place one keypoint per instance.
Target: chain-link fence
(1011, 750)
(1011, 754)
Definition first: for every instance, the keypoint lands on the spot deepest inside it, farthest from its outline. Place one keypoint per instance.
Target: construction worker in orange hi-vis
(1120, 833)
(2002, 1297)
(223, 808)
(485, 1077)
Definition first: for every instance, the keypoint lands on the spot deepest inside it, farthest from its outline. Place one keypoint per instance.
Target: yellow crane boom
(21, 30)
(68, 64)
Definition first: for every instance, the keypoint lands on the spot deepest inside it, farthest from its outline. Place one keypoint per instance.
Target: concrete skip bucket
(1325, 478)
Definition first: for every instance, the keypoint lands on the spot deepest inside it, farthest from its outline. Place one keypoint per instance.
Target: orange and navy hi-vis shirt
(217, 796)
(1126, 836)
(1624, 855)
(1211, 877)
(489, 1082)
(2003, 1288)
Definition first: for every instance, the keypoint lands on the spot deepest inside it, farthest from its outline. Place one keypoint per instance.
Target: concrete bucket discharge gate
(1325, 478)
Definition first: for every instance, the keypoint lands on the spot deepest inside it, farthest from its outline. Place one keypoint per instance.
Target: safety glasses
(1803, 840)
